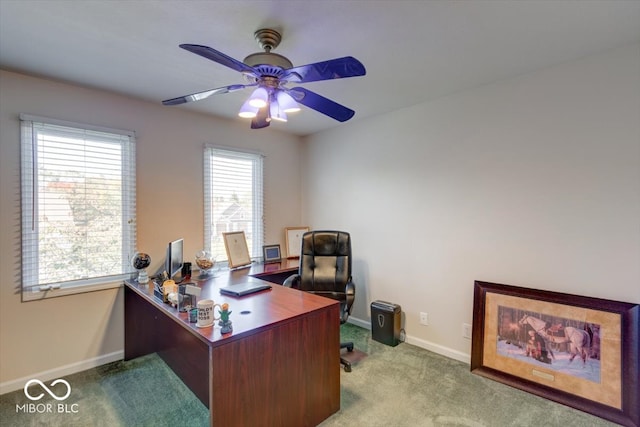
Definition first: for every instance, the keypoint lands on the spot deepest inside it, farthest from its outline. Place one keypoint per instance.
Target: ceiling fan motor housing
(268, 63)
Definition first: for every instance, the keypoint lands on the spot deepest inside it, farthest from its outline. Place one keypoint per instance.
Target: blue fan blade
(219, 57)
(327, 70)
(321, 104)
(202, 95)
(262, 119)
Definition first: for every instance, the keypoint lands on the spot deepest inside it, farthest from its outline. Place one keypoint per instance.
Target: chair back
(325, 263)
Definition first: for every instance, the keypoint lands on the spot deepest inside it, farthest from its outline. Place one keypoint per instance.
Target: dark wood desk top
(286, 265)
(265, 308)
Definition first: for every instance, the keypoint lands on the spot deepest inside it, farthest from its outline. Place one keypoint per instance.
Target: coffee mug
(206, 315)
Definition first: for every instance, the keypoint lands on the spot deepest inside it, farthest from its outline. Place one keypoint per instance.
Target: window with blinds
(78, 207)
(233, 199)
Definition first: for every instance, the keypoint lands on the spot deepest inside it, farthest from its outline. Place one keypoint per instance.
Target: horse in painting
(579, 340)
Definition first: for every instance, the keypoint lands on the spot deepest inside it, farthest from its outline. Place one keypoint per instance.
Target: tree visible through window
(233, 199)
(78, 200)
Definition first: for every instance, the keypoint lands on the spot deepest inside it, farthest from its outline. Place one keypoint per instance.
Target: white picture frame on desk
(293, 238)
(235, 244)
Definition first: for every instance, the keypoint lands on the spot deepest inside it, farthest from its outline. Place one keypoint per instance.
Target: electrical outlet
(466, 330)
(424, 318)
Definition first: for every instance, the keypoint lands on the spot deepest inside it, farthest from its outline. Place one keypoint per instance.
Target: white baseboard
(62, 371)
(427, 345)
(439, 349)
(358, 322)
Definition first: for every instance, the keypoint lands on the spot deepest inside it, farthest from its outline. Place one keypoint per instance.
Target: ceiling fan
(270, 73)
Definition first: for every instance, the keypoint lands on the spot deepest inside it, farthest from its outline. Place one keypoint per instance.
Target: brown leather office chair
(325, 269)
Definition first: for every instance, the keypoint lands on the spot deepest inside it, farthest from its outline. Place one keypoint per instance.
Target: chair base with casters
(325, 270)
(344, 362)
(293, 282)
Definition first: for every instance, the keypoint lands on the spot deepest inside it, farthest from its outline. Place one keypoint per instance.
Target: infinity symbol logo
(47, 389)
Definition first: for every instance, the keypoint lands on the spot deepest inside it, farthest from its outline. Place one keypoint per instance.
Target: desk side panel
(139, 326)
(289, 374)
(149, 330)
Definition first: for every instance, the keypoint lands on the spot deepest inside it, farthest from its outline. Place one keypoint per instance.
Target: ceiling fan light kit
(247, 111)
(270, 73)
(287, 103)
(259, 98)
(276, 112)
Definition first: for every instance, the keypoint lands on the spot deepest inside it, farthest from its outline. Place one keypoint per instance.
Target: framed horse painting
(576, 350)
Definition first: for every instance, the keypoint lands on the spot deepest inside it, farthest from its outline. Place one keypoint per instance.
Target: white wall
(67, 334)
(533, 181)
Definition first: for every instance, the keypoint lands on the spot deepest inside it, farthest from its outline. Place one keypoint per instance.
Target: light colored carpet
(409, 386)
(389, 386)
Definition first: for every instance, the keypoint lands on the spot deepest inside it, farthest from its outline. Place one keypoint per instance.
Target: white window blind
(78, 207)
(233, 199)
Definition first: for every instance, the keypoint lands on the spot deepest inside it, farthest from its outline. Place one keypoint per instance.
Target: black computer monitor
(175, 253)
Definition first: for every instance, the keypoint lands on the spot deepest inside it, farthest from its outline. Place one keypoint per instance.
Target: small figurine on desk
(224, 319)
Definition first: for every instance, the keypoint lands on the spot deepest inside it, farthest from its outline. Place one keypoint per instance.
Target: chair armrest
(350, 291)
(292, 281)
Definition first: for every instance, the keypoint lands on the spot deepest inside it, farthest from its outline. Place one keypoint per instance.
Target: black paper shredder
(385, 322)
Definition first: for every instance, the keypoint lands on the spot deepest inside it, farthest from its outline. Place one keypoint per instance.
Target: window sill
(28, 296)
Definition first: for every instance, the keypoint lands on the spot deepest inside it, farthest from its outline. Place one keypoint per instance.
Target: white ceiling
(414, 51)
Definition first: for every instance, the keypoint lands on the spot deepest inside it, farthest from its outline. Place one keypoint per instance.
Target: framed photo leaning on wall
(293, 236)
(235, 244)
(576, 350)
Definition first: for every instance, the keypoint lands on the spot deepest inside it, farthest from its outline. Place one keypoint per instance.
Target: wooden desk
(279, 367)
